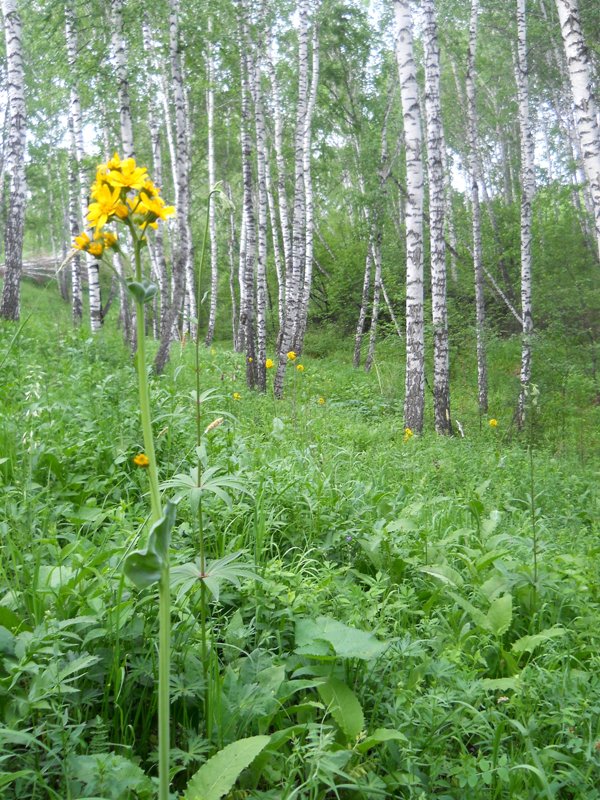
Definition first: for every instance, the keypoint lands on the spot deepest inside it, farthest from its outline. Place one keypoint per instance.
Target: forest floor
(409, 617)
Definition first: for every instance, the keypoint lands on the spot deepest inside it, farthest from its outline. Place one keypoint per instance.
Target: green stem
(201, 542)
(164, 611)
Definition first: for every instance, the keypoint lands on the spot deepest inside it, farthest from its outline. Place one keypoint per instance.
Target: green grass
(486, 685)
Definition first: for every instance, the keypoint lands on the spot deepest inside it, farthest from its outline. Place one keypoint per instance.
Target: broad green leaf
(143, 291)
(343, 705)
(378, 736)
(216, 778)
(444, 573)
(144, 567)
(347, 642)
(499, 616)
(527, 644)
(9, 619)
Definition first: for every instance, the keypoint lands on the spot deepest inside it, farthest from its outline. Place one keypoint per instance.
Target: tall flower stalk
(123, 194)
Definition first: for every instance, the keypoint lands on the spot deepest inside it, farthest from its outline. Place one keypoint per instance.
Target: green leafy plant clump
(347, 619)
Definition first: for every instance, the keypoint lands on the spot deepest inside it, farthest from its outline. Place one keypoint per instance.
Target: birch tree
(77, 154)
(482, 383)
(298, 251)
(182, 248)
(435, 158)
(212, 179)
(527, 192)
(586, 111)
(414, 399)
(10, 305)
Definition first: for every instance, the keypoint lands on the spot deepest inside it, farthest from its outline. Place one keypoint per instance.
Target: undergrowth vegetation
(408, 618)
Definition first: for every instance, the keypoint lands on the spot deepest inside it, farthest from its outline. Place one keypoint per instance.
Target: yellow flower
(269, 363)
(82, 242)
(321, 401)
(408, 434)
(291, 356)
(152, 208)
(250, 359)
(213, 352)
(237, 396)
(127, 175)
(108, 239)
(95, 249)
(493, 423)
(300, 367)
(108, 204)
(141, 460)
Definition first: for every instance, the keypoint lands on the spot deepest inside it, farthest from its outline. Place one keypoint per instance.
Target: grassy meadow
(403, 616)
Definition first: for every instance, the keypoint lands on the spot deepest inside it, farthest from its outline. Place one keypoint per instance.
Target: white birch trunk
(414, 400)
(362, 314)
(247, 308)
(231, 247)
(74, 227)
(586, 112)
(435, 157)
(476, 213)
(527, 193)
(294, 278)
(182, 247)
(308, 194)
(212, 179)
(261, 263)
(10, 305)
(284, 214)
(279, 265)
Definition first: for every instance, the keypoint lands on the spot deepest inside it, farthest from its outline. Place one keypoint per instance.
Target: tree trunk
(247, 321)
(362, 314)
(586, 112)
(212, 179)
(435, 157)
(10, 305)
(414, 399)
(182, 246)
(476, 212)
(295, 276)
(74, 226)
(261, 264)
(527, 192)
(308, 195)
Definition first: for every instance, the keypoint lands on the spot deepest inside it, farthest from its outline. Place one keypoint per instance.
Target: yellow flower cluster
(408, 434)
(291, 355)
(493, 423)
(122, 192)
(237, 396)
(141, 460)
(300, 367)
(102, 241)
(269, 363)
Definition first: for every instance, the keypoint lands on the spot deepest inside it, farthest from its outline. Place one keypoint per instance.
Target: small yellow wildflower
(300, 367)
(107, 205)
(321, 401)
(81, 242)
(95, 249)
(213, 352)
(408, 434)
(237, 396)
(250, 359)
(269, 363)
(493, 423)
(141, 460)
(291, 356)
